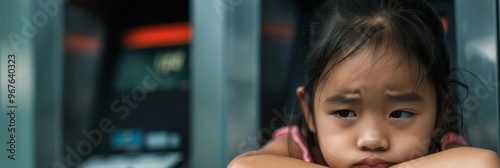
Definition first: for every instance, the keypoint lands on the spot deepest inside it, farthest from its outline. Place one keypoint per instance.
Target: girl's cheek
(334, 142)
(411, 147)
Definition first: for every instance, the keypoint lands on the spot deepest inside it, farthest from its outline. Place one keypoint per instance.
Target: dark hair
(410, 28)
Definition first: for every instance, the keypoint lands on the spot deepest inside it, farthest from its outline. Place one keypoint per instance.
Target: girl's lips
(372, 166)
(371, 162)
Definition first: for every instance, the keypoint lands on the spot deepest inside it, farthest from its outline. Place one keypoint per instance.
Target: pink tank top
(294, 131)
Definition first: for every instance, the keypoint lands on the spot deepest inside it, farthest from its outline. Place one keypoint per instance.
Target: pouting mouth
(372, 166)
(372, 162)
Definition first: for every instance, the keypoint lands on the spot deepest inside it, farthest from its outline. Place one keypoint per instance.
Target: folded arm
(275, 154)
(455, 157)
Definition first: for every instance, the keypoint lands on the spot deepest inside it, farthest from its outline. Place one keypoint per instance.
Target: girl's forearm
(266, 160)
(456, 157)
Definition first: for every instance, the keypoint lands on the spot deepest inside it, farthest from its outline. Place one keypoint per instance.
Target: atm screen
(149, 93)
(156, 86)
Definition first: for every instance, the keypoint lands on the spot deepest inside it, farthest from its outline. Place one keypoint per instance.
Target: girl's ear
(303, 102)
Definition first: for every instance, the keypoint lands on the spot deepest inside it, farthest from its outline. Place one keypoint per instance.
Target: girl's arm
(455, 157)
(274, 154)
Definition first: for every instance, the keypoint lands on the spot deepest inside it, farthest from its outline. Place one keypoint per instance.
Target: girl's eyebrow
(393, 97)
(404, 97)
(343, 98)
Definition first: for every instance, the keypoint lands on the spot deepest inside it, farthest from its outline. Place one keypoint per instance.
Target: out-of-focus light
(160, 140)
(127, 139)
(282, 31)
(444, 20)
(482, 47)
(86, 44)
(170, 61)
(158, 35)
(143, 160)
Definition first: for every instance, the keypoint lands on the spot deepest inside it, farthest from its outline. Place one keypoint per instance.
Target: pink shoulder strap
(452, 137)
(294, 131)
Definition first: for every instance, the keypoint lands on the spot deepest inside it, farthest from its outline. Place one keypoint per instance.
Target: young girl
(377, 94)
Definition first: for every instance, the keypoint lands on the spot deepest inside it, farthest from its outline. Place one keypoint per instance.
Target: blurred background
(193, 83)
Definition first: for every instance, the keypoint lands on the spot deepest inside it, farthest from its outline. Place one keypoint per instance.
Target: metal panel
(477, 52)
(48, 57)
(225, 79)
(15, 24)
(243, 76)
(209, 83)
(32, 31)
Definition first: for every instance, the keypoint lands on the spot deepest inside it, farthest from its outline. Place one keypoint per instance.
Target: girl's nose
(372, 141)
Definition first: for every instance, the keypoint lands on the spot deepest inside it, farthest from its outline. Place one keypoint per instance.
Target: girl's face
(370, 112)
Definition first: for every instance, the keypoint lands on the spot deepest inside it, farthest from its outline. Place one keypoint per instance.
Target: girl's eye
(344, 114)
(401, 114)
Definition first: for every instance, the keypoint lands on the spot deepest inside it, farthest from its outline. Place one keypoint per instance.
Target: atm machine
(144, 88)
(148, 104)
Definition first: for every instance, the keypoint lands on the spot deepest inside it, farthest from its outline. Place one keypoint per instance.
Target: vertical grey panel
(225, 74)
(478, 52)
(243, 75)
(16, 37)
(209, 85)
(48, 54)
(32, 30)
